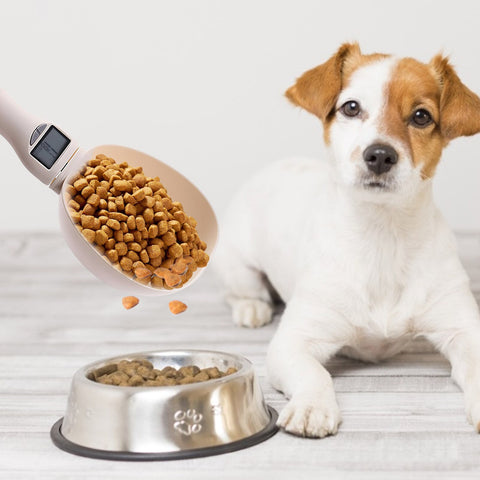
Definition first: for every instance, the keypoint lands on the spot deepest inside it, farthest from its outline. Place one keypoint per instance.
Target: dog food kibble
(134, 224)
(141, 373)
(177, 307)
(130, 302)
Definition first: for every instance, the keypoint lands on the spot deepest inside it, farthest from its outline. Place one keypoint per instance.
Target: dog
(353, 244)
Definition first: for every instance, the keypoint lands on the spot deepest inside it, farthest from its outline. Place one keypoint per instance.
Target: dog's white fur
(362, 271)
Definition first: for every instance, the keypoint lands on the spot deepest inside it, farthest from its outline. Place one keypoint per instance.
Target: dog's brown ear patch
(459, 106)
(317, 89)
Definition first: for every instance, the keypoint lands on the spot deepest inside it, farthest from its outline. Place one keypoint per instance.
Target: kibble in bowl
(214, 404)
(142, 373)
(162, 245)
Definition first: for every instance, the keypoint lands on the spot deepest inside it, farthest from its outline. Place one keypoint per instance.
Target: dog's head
(386, 120)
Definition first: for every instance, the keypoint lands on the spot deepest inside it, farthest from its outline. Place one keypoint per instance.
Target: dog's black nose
(380, 158)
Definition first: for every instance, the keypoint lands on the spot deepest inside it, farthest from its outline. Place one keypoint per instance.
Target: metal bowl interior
(180, 421)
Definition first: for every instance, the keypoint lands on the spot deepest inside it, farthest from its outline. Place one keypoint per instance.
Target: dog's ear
(317, 90)
(459, 106)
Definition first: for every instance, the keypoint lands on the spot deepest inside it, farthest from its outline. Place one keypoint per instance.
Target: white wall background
(200, 83)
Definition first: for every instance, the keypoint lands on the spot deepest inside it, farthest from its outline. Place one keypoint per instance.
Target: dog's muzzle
(380, 158)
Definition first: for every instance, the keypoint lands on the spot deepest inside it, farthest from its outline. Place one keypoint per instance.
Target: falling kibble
(130, 302)
(177, 307)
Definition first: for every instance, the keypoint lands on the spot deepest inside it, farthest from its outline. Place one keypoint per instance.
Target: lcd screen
(50, 147)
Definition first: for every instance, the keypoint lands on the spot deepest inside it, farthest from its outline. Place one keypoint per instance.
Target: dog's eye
(421, 118)
(350, 109)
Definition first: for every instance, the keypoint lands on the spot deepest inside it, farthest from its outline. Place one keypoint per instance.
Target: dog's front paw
(473, 415)
(251, 312)
(310, 417)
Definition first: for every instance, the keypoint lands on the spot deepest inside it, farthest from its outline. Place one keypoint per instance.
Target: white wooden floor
(402, 419)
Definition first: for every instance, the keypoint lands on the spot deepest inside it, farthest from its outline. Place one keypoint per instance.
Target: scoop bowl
(178, 187)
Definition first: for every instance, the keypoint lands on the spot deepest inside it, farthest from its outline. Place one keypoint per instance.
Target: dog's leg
(249, 298)
(463, 352)
(245, 290)
(294, 361)
(453, 326)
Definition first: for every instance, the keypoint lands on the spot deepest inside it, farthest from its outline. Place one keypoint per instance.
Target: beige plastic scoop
(54, 157)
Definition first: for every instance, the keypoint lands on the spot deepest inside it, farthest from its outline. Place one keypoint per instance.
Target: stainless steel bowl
(168, 422)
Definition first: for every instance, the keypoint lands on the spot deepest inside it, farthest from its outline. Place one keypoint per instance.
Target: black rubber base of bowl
(61, 442)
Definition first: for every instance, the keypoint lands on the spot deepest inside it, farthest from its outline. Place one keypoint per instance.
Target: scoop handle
(17, 126)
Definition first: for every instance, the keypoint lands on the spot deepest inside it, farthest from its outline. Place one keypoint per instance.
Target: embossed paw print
(188, 422)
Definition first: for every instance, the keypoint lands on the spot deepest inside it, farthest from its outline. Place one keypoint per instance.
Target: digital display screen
(50, 147)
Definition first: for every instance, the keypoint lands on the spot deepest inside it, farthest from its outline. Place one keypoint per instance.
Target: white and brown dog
(354, 245)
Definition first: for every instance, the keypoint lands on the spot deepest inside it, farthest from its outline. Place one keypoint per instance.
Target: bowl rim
(82, 374)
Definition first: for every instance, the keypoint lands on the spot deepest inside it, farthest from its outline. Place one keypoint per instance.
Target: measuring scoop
(54, 157)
